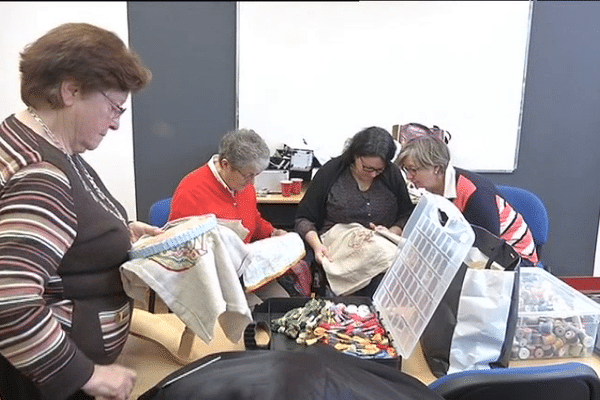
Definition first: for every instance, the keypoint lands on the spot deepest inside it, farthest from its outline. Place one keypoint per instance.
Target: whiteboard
(312, 74)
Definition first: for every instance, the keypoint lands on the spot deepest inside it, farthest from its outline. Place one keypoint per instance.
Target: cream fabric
(358, 254)
(208, 292)
(208, 288)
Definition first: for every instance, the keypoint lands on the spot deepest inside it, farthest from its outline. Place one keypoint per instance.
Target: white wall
(322, 71)
(24, 22)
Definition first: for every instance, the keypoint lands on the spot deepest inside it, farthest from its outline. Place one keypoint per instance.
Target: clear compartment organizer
(438, 239)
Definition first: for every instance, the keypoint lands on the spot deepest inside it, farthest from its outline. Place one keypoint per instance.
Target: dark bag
(437, 339)
(317, 373)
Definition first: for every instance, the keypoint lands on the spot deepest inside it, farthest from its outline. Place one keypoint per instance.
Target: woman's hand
(321, 253)
(278, 232)
(113, 382)
(380, 228)
(397, 230)
(137, 229)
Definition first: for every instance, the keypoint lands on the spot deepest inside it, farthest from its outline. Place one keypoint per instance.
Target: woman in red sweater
(224, 186)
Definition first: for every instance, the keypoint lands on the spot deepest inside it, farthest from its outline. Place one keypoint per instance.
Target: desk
(278, 210)
(277, 198)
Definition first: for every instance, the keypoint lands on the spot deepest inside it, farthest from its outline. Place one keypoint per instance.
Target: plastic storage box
(554, 319)
(438, 239)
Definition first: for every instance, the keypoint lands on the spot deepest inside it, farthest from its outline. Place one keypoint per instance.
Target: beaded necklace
(89, 183)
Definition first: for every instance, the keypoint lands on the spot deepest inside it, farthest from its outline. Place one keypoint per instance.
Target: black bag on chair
(437, 340)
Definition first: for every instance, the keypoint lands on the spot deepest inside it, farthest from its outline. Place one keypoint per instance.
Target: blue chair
(158, 214)
(533, 210)
(572, 381)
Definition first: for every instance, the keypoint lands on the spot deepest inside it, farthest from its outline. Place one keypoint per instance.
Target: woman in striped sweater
(425, 160)
(64, 316)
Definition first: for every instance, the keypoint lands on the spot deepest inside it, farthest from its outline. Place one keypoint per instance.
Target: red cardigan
(200, 193)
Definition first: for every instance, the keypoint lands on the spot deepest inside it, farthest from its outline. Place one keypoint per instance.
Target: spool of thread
(532, 321)
(562, 351)
(536, 338)
(514, 353)
(559, 330)
(584, 338)
(546, 327)
(524, 353)
(549, 338)
(519, 334)
(571, 336)
(538, 352)
(548, 351)
(587, 341)
(575, 350)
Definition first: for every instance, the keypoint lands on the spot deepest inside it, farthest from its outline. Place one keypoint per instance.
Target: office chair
(573, 381)
(159, 212)
(533, 210)
(158, 215)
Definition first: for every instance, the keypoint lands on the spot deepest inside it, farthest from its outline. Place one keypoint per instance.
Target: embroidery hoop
(177, 232)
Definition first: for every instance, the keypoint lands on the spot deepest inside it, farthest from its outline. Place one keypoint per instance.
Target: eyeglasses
(412, 171)
(117, 109)
(246, 177)
(368, 169)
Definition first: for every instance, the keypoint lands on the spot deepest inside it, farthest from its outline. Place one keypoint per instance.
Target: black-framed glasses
(368, 169)
(117, 109)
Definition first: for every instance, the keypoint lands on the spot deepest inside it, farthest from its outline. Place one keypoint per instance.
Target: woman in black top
(361, 185)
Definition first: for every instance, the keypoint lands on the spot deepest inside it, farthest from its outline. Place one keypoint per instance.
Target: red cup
(297, 185)
(286, 188)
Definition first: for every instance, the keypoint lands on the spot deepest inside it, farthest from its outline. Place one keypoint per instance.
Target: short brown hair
(426, 151)
(95, 58)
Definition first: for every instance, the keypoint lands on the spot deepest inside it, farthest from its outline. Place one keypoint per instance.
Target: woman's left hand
(138, 228)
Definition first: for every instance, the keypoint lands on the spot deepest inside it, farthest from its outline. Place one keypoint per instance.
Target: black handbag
(436, 340)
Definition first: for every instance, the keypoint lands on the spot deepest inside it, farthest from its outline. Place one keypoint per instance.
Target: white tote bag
(483, 316)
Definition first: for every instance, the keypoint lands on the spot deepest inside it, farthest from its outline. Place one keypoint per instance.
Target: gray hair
(244, 148)
(426, 151)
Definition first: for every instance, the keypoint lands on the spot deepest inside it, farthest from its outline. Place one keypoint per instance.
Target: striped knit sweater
(62, 305)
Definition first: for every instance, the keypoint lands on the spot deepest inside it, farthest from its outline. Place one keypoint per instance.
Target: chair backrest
(158, 214)
(532, 208)
(573, 381)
